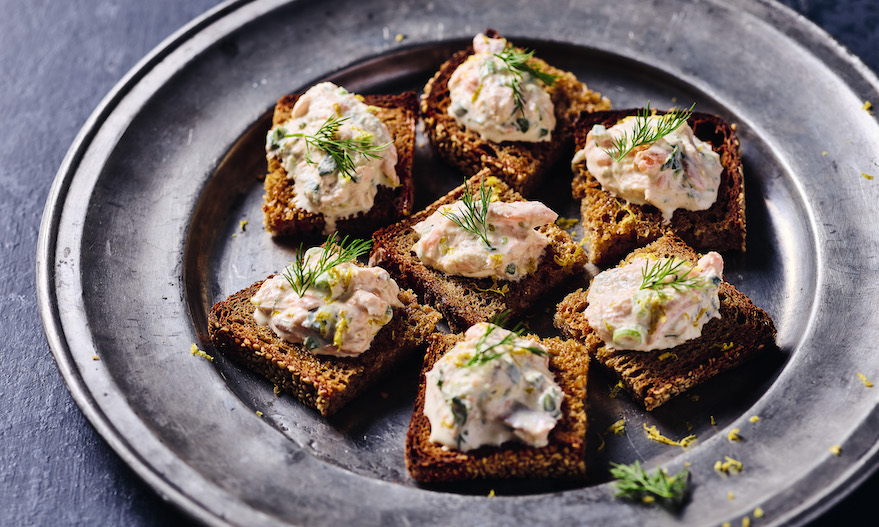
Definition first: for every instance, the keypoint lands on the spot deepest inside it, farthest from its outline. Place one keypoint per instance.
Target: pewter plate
(143, 232)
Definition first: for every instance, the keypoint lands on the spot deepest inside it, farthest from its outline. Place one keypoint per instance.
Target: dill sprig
(516, 63)
(656, 276)
(301, 275)
(474, 217)
(635, 483)
(488, 352)
(339, 150)
(645, 133)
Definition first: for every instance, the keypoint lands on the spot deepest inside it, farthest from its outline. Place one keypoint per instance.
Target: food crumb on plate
(836, 450)
(864, 380)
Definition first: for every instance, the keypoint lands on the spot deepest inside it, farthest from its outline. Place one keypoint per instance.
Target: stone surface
(58, 60)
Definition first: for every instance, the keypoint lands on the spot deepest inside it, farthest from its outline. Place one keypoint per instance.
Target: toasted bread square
(653, 377)
(521, 164)
(612, 227)
(465, 301)
(325, 383)
(282, 218)
(564, 457)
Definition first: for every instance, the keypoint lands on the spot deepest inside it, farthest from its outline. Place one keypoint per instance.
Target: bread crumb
(95, 357)
(693, 397)
(836, 450)
(734, 436)
(566, 223)
(195, 351)
(491, 493)
(618, 428)
(746, 522)
(758, 513)
(730, 496)
(867, 107)
(258, 413)
(866, 176)
(399, 37)
(754, 418)
(864, 380)
(616, 389)
(654, 435)
(728, 466)
(243, 224)
(733, 126)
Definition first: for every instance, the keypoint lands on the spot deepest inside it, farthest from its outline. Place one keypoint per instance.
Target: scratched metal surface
(154, 200)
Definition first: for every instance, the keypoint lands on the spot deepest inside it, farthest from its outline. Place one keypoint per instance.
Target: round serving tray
(144, 230)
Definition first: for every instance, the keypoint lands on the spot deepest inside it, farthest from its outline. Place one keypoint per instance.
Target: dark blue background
(57, 60)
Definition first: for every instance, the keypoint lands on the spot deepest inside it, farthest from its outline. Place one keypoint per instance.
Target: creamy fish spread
(328, 113)
(339, 315)
(491, 388)
(514, 246)
(678, 171)
(498, 102)
(652, 304)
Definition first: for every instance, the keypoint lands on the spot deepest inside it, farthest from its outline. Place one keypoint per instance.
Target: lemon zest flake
(836, 450)
(653, 434)
(758, 513)
(618, 428)
(491, 493)
(754, 418)
(243, 224)
(734, 435)
(602, 444)
(616, 389)
(730, 496)
(746, 522)
(728, 466)
(566, 223)
(867, 107)
(503, 290)
(195, 351)
(258, 413)
(864, 380)
(866, 176)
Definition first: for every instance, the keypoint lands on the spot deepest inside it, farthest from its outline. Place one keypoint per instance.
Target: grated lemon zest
(654, 435)
(618, 428)
(195, 351)
(566, 223)
(864, 380)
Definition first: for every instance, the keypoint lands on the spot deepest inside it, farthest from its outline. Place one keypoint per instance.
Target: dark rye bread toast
(654, 377)
(564, 456)
(612, 227)
(521, 164)
(465, 301)
(325, 383)
(399, 113)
